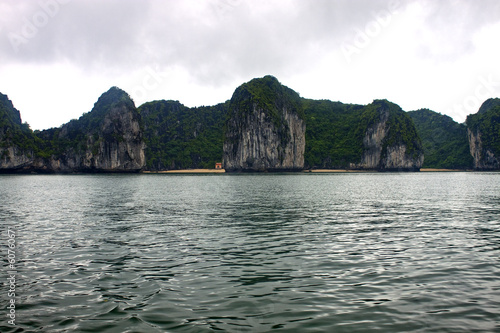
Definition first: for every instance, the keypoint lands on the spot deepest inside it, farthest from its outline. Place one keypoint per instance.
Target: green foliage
(489, 104)
(269, 95)
(12, 131)
(488, 124)
(335, 131)
(444, 141)
(401, 129)
(178, 137)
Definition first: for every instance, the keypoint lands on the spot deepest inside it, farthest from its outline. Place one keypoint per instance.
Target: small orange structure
(218, 165)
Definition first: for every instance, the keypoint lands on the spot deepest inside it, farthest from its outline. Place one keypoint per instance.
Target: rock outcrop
(107, 139)
(265, 130)
(484, 157)
(391, 142)
(483, 130)
(17, 141)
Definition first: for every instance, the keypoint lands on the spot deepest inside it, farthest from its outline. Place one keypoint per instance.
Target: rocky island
(107, 139)
(264, 127)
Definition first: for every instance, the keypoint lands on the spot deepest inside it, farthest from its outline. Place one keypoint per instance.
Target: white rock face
(117, 147)
(257, 142)
(15, 158)
(394, 157)
(484, 159)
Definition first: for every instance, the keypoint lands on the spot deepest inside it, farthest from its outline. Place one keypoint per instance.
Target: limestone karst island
(265, 126)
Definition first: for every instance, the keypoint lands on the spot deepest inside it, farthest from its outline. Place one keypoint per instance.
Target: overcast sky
(58, 56)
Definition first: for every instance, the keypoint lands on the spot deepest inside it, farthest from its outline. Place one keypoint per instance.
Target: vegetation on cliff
(335, 131)
(335, 135)
(108, 138)
(14, 133)
(401, 129)
(487, 123)
(178, 137)
(265, 128)
(74, 136)
(444, 140)
(269, 95)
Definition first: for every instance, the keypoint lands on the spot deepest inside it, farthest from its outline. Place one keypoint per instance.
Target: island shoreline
(219, 171)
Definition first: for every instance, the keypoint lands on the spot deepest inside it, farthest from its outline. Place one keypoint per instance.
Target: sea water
(343, 252)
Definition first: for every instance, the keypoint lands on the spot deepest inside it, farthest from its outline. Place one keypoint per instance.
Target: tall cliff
(17, 142)
(378, 136)
(107, 139)
(483, 130)
(265, 129)
(391, 141)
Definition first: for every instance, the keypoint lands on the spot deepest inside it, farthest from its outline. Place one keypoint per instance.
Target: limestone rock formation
(17, 141)
(107, 139)
(391, 142)
(483, 130)
(484, 157)
(265, 130)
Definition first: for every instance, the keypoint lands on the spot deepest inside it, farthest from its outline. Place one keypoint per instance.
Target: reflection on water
(246, 253)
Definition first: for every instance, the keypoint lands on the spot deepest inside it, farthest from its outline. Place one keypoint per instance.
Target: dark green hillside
(334, 133)
(178, 137)
(444, 140)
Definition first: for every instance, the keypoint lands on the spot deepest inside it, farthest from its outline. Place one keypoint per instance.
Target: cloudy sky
(58, 56)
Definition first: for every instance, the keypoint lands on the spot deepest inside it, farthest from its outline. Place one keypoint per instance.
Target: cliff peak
(8, 112)
(111, 98)
(269, 94)
(489, 104)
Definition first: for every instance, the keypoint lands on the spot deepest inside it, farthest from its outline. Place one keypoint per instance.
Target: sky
(58, 56)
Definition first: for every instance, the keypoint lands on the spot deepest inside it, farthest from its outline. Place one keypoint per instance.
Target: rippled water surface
(413, 252)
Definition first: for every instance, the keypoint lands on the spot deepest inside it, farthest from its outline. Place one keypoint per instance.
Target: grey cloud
(216, 40)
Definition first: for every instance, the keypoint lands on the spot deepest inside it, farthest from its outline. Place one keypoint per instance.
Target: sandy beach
(442, 170)
(335, 170)
(189, 171)
(305, 171)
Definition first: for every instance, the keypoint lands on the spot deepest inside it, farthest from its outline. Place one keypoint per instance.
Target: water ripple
(247, 253)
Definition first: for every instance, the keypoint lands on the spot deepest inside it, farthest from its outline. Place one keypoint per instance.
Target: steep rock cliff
(107, 139)
(483, 131)
(17, 141)
(265, 130)
(390, 141)
(378, 136)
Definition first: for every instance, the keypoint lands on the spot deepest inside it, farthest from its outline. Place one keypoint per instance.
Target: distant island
(264, 127)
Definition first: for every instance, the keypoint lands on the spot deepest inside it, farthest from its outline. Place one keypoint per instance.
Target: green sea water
(368, 252)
